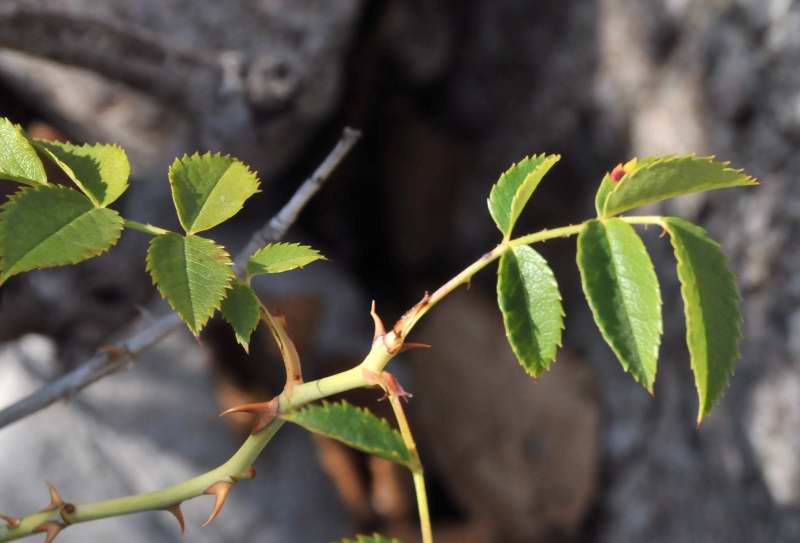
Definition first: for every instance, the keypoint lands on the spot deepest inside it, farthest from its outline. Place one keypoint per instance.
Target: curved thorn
(380, 329)
(265, 413)
(12, 522)
(409, 346)
(178, 514)
(52, 529)
(220, 490)
(55, 497)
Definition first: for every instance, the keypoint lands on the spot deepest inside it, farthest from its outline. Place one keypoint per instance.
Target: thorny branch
(112, 358)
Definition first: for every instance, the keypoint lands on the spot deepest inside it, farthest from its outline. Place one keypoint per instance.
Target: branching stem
(146, 228)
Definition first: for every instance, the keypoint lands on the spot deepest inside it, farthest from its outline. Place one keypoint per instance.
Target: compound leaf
(621, 287)
(101, 171)
(654, 179)
(209, 189)
(354, 426)
(47, 225)
(192, 273)
(515, 187)
(281, 257)
(528, 297)
(242, 310)
(18, 159)
(374, 538)
(711, 305)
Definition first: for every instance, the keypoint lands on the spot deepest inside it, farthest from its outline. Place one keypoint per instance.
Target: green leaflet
(101, 171)
(515, 187)
(281, 257)
(374, 538)
(356, 427)
(621, 287)
(47, 225)
(18, 159)
(711, 305)
(192, 273)
(243, 311)
(528, 297)
(655, 179)
(209, 189)
(606, 186)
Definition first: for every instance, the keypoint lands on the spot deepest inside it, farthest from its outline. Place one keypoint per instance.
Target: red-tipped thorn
(380, 329)
(11, 522)
(220, 490)
(265, 413)
(409, 346)
(178, 514)
(52, 529)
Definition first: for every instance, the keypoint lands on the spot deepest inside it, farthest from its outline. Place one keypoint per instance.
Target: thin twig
(112, 358)
(277, 227)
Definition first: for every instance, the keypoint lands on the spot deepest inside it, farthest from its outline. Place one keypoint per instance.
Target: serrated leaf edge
(245, 343)
(40, 187)
(326, 406)
(206, 156)
(317, 254)
(751, 181)
(702, 413)
(562, 314)
(217, 304)
(603, 332)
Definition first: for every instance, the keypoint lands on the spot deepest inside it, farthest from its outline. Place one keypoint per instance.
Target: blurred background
(448, 94)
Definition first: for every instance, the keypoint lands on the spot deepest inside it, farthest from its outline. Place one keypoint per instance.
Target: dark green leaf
(192, 273)
(711, 304)
(243, 311)
(622, 289)
(528, 297)
(356, 427)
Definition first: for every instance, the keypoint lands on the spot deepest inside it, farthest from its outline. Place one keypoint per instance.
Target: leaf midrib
(208, 197)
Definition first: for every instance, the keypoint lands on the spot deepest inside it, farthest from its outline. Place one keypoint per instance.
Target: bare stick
(112, 358)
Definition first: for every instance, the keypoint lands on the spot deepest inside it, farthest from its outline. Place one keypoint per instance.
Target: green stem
(146, 228)
(383, 350)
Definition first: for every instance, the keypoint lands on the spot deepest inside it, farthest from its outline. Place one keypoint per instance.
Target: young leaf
(515, 187)
(621, 287)
(192, 274)
(242, 310)
(652, 180)
(281, 257)
(374, 538)
(528, 296)
(711, 305)
(18, 159)
(209, 189)
(353, 426)
(46, 226)
(101, 171)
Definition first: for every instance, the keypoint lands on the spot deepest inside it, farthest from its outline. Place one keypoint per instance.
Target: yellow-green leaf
(621, 287)
(651, 180)
(101, 171)
(192, 273)
(356, 427)
(209, 189)
(515, 187)
(528, 297)
(281, 257)
(711, 305)
(242, 310)
(47, 225)
(18, 159)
